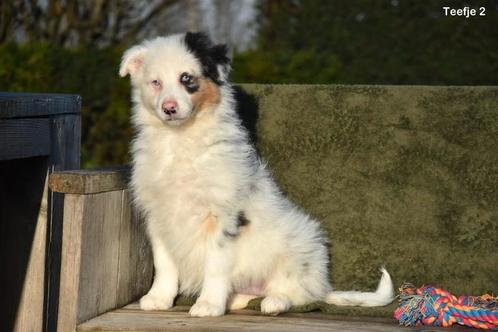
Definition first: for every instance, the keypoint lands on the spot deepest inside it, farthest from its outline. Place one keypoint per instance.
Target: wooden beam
(89, 181)
(22, 138)
(31, 303)
(22, 105)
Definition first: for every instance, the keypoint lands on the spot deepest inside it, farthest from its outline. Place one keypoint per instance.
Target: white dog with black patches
(218, 224)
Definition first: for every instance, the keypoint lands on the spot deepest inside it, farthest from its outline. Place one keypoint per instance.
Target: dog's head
(177, 77)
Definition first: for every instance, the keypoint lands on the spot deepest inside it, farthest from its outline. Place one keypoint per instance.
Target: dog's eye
(156, 83)
(185, 78)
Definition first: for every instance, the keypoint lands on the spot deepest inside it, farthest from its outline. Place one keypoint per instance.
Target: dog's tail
(382, 296)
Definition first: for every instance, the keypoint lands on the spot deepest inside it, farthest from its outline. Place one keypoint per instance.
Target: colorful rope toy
(429, 305)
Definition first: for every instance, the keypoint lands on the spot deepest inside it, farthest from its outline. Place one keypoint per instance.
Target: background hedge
(307, 41)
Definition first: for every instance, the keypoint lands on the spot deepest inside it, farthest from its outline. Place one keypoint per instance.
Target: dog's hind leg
(297, 279)
(274, 304)
(282, 290)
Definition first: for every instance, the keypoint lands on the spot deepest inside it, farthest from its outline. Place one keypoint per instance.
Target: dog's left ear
(132, 60)
(213, 58)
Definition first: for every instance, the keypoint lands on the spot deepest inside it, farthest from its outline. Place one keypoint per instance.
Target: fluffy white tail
(382, 296)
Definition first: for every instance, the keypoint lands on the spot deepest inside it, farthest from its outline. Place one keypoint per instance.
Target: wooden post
(106, 260)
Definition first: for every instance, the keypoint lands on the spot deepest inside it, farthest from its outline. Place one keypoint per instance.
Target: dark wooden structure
(39, 134)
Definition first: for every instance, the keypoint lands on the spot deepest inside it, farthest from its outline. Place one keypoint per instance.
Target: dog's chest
(175, 175)
(172, 183)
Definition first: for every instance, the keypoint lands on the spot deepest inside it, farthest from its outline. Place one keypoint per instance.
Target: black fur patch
(209, 55)
(242, 220)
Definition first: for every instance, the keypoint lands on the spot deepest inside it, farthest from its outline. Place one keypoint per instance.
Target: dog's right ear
(132, 60)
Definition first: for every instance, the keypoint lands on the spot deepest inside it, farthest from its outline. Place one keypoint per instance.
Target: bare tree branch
(78, 22)
(139, 25)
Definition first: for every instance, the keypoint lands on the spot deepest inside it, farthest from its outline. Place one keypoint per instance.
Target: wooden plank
(89, 181)
(89, 270)
(99, 254)
(106, 259)
(22, 138)
(71, 258)
(135, 257)
(22, 227)
(30, 310)
(131, 318)
(21, 105)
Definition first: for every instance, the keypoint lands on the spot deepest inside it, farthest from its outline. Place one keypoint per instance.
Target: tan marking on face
(208, 95)
(210, 223)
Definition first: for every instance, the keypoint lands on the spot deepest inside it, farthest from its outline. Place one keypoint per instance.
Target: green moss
(401, 176)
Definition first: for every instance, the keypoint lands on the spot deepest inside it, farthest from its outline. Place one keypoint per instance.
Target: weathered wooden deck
(131, 318)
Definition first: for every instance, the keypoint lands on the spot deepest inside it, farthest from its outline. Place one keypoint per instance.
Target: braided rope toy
(429, 305)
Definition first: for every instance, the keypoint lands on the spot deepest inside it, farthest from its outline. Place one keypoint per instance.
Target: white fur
(239, 301)
(203, 165)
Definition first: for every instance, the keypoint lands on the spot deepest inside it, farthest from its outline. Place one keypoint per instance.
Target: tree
(78, 22)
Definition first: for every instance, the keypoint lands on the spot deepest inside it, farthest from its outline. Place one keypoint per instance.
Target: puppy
(218, 224)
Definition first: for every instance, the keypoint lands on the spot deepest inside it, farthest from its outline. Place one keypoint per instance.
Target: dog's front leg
(217, 272)
(165, 286)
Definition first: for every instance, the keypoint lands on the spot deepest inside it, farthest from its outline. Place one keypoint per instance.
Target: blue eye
(185, 78)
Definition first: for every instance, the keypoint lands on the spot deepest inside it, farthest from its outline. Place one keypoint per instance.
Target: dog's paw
(206, 309)
(275, 304)
(153, 301)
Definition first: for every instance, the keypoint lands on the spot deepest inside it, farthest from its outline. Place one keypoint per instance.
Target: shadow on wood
(22, 183)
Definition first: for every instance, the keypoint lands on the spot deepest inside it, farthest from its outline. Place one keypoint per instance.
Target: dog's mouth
(172, 115)
(175, 120)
